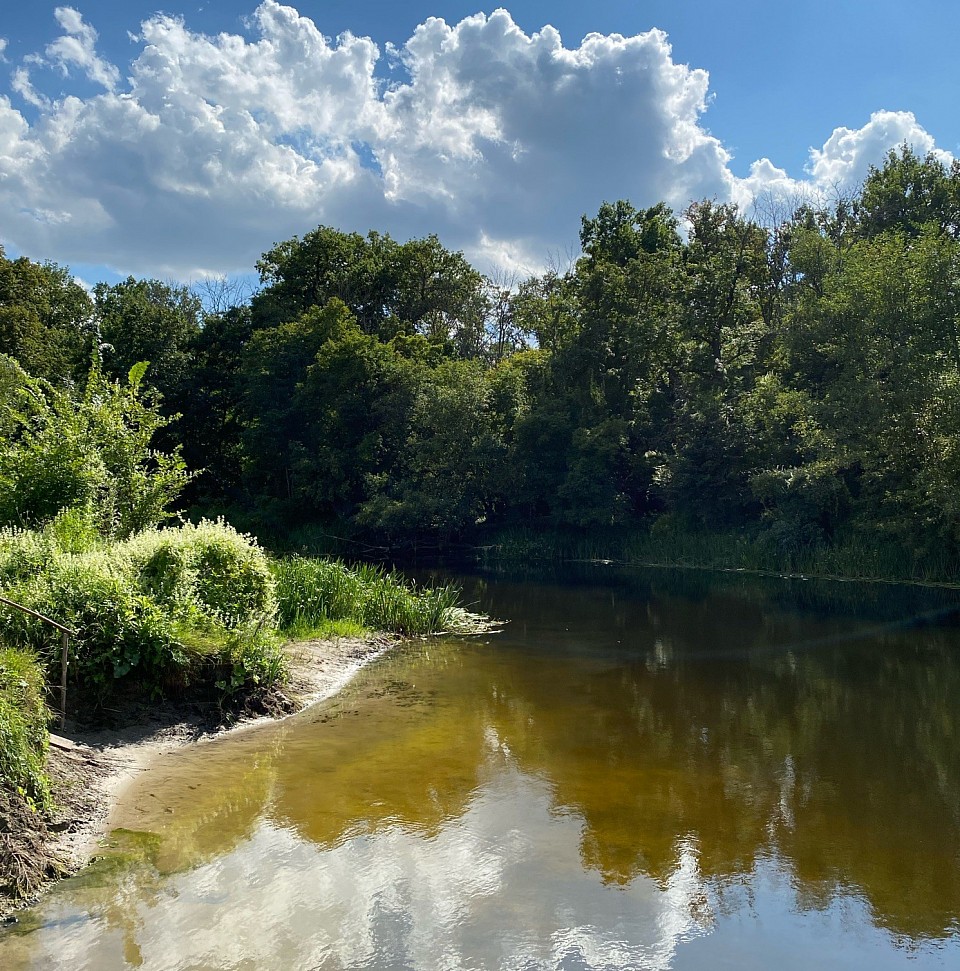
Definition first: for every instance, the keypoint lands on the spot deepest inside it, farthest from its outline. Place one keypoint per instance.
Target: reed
(312, 593)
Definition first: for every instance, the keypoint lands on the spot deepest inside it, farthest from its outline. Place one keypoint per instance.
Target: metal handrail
(66, 634)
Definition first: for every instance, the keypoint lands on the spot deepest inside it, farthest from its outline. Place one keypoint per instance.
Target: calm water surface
(650, 770)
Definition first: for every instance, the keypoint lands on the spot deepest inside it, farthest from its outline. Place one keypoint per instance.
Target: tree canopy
(798, 380)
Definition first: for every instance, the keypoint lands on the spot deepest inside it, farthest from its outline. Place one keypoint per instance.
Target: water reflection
(632, 770)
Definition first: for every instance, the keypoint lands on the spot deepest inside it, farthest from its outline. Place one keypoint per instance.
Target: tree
(447, 475)
(721, 333)
(391, 288)
(908, 193)
(148, 320)
(212, 422)
(45, 319)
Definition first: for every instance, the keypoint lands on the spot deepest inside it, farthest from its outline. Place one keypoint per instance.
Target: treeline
(796, 380)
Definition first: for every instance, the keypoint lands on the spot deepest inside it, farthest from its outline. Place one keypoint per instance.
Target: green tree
(148, 320)
(45, 319)
(417, 287)
(212, 422)
(908, 193)
(448, 475)
(722, 336)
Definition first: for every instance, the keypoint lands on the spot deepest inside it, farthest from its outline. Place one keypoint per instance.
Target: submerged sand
(90, 769)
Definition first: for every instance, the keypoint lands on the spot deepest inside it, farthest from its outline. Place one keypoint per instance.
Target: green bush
(162, 611)
(207, 567)
(23, 727)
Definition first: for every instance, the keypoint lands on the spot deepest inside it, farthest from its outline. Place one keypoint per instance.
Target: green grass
(23, 728)
(324, 629)
(313, 593)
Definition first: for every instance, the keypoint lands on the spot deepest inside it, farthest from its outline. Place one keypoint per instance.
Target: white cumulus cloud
(211, 148)
(76, 47)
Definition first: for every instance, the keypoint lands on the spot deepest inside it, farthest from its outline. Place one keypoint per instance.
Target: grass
(23, 728)
(324, 629)
(312, 594)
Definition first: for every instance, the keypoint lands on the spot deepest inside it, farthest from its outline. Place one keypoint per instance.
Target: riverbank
(870, 556)
(89, 769)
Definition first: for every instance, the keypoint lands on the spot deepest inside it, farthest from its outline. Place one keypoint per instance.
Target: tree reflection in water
(690, 739)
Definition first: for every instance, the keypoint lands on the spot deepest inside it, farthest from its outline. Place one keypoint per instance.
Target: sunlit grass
(312, 593)
(324, 629)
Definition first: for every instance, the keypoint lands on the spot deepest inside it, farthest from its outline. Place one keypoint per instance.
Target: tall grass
(312, 593)
(23, 728)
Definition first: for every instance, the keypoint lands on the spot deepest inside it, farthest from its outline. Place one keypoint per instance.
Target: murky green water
(656, 770)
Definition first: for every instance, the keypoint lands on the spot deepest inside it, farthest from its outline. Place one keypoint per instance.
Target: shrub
(208, 567)
(164, 610)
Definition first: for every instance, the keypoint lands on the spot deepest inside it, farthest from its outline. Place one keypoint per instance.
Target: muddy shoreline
(90, 769)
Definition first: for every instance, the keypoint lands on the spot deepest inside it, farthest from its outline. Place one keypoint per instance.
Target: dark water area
(645, 769)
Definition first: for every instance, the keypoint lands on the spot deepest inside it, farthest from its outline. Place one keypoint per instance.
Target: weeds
(23, 727)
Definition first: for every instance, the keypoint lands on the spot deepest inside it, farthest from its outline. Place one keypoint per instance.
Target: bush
(162, 611)
(208, 567)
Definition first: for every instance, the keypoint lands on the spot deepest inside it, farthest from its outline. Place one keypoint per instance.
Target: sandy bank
(91, 769)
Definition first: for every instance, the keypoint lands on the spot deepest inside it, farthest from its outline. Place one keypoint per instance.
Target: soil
(90, 766)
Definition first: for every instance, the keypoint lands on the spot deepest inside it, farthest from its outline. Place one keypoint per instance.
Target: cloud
(21, 84)
(497, 140)
(846, 157)
(76, 47)
(847, 154)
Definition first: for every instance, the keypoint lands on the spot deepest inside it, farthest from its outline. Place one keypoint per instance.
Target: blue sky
(186, 144)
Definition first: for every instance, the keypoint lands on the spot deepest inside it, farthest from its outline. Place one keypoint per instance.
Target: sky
(181, 142)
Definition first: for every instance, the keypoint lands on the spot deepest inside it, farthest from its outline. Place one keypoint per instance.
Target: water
(647, 770)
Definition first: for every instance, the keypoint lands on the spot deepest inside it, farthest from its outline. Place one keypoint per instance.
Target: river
(645, 769)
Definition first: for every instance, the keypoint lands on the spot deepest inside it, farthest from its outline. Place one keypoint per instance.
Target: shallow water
(645, 770)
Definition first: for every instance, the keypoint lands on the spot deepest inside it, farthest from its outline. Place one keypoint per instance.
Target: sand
(90, 769)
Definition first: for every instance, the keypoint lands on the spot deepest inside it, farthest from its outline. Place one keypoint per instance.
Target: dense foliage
(162, 611)
(797, 380)
(62, 450)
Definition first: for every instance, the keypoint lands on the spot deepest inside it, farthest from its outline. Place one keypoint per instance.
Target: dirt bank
(90, 768)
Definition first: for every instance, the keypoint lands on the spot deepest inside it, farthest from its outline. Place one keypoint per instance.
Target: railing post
(65, 640)
(64, 649)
